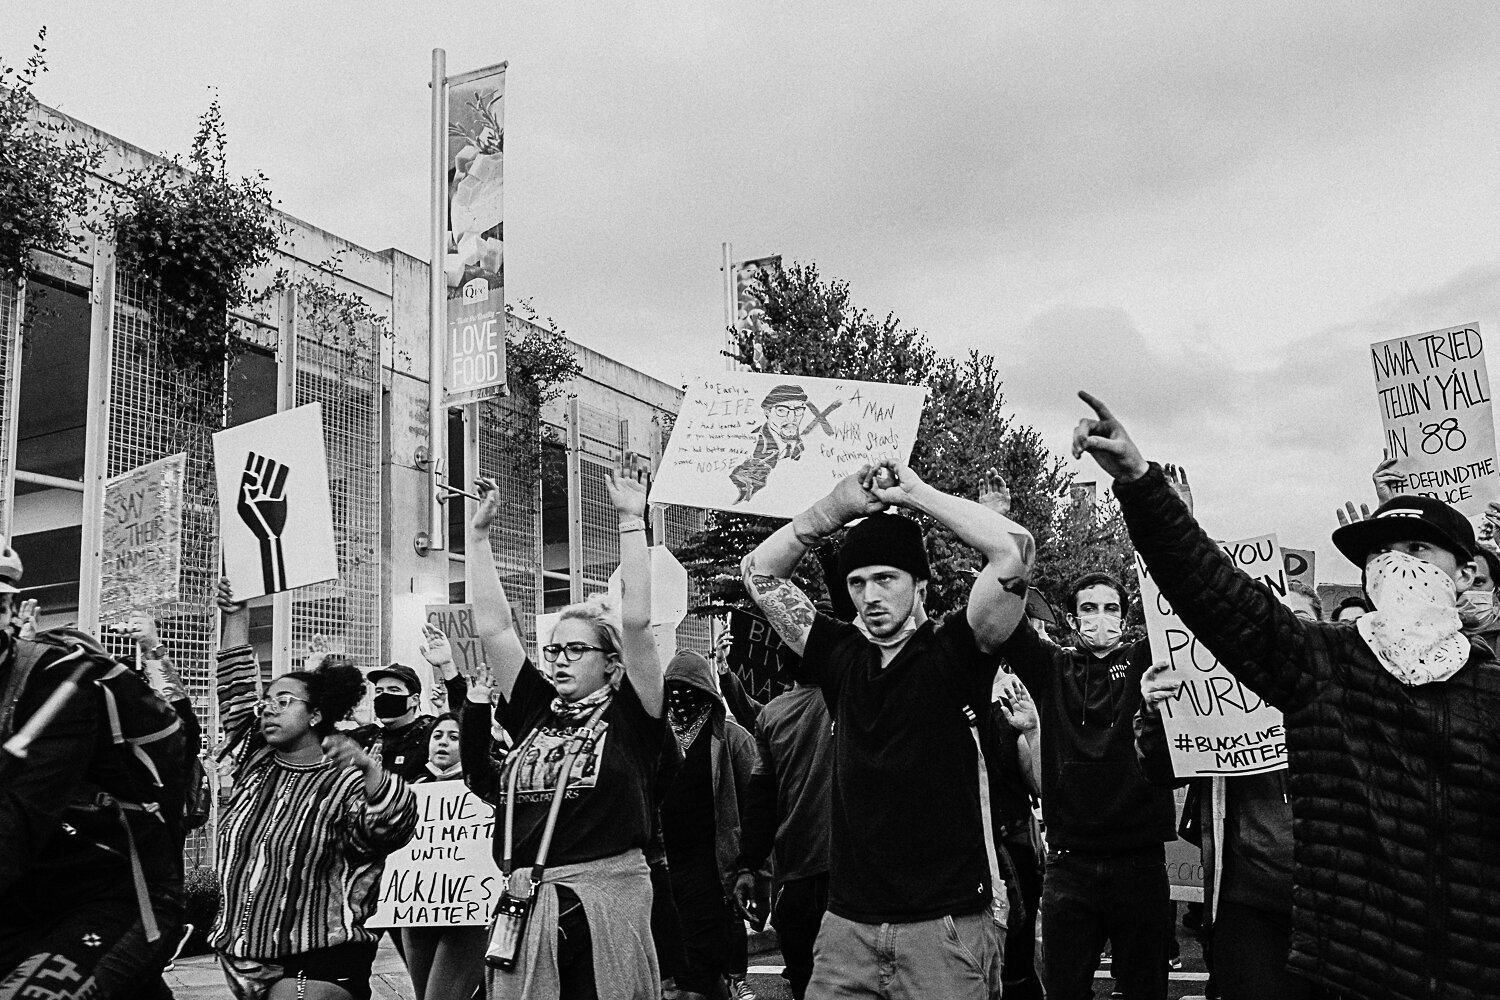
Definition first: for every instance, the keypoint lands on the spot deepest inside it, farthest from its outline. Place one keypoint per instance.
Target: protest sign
(773, 444)
(757, 654)
(1184, 861)
(1437, 416)
(1301, 565)
(456, 621)
(445, 875)
(142, 540)
(1215, 725)
(275, 516)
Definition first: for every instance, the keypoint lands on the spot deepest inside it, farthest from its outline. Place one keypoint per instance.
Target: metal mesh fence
(509, 450)
(604, 439)
(10, 320)
(155, 411)
(338, 366)
(695, 632)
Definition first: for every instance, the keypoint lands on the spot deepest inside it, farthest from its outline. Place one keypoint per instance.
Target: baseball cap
(10, 571)
(1407, 518)
(401, 672)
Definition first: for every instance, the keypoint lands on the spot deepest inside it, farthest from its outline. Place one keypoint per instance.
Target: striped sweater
(301, 849)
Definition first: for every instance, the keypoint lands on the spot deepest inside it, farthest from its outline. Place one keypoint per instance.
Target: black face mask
(391, 706)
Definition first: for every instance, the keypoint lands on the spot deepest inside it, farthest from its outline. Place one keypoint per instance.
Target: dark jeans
(1090, 898)
(702, 910)
(798, 914)
(666, 933)
(1022, 981)
(575, 949)
(1250, 949)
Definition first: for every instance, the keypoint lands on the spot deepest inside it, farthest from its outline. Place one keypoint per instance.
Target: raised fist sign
(262, 506)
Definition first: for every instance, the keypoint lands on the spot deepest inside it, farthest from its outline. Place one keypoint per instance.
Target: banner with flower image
(474, 262)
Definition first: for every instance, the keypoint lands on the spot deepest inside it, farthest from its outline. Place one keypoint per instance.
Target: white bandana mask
(1414, 629)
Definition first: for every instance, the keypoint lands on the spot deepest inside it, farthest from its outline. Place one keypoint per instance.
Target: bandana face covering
(1414, 629)
(687, 711)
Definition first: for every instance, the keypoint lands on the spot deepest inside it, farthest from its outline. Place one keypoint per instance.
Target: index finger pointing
(1098, 406)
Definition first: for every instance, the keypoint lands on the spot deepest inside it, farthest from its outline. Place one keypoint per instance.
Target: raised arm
(493, 621)
(997, 601)
(1238, 619)
(642, 661)
(767, 571)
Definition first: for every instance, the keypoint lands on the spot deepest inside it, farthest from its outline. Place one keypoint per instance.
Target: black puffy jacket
(1395, 790)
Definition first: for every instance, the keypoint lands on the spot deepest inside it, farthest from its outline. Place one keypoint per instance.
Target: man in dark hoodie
(1106, 825)
(700, 819)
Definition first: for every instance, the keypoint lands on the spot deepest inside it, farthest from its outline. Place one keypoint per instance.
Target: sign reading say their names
(275, 514)
(1216, 725)
(142, 540)
(1438, 419)
(445, 875)
(773, 444)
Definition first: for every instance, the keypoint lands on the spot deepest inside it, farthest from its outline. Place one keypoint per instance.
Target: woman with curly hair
(303, 838)
(581, 779)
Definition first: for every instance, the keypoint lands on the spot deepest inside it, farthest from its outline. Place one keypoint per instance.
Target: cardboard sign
(1216, 725)
(445, 875)
(275, 517)
(1301, 565)
(1439, 422)
(773, 444)
(757, 654)
(142, 540)
(456, 621)
(1184, 862)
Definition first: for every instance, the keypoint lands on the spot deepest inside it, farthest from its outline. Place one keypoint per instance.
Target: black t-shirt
(908, 839)
(607, 808)
(688, 821)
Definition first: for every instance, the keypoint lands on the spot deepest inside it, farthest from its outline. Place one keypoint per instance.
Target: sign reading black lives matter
(1216, 725)
(1438, 419)
(446, 874)
(757, 654)
(275, 514)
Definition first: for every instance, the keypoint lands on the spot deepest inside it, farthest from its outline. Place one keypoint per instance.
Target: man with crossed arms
(916, 907)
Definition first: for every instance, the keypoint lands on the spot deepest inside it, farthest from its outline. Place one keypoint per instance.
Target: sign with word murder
(1216, 725)
(1437, 416)
(142, 539)
(445, 875)
(769, 444)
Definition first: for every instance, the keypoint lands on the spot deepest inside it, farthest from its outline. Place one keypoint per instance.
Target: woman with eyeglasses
(303, 838)
(588, 931)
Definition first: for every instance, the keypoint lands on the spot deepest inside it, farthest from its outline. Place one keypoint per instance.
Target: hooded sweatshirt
(730, 757)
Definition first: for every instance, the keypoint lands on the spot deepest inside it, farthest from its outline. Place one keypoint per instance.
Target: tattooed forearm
(1014, 585)
(788, 610)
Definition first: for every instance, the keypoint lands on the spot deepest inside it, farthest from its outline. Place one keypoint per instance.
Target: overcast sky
(1200, 212)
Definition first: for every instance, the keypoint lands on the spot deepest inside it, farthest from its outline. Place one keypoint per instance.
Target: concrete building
(85, 396)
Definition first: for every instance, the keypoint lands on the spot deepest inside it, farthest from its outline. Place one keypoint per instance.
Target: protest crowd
(971, 807)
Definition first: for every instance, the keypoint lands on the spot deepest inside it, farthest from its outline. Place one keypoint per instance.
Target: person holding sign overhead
(916, 901)
(1393, 733)
(576, 795)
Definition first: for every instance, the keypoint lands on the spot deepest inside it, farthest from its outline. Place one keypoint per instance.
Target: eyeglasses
(785, 410)
(277, 703)
(572, 652)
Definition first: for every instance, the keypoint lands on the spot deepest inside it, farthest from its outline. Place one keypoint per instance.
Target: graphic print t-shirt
(607, 805)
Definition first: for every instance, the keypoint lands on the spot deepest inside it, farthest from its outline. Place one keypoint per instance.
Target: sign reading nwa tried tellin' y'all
(1437, 415)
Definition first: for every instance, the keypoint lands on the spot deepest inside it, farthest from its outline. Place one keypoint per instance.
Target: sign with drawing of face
(771, 444)
(275, 514)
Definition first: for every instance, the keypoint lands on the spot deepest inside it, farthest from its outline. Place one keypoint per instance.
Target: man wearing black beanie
(915, 901)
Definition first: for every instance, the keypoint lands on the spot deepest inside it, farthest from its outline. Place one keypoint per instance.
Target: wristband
(632, 524)
(157, 652)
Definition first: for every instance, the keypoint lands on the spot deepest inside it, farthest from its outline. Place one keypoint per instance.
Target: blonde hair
(603, 614)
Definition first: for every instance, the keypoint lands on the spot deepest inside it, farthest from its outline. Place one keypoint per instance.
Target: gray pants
(951, 957)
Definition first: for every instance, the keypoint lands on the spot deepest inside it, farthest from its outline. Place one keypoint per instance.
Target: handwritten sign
(1216, 725)
(757, 654)
(142, 540)
(275, 514)
(456, 621)
(1301, 565)
(1439, 422)
(773, 444)
(445, 875)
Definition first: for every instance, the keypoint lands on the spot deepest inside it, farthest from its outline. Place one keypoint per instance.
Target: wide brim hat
(1407, 518)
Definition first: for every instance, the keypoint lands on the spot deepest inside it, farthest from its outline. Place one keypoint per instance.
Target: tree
(813, 328)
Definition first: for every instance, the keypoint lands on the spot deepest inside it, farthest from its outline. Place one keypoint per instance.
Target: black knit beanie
(884, 540)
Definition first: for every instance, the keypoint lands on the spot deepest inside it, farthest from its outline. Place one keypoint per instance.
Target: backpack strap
(999, 904)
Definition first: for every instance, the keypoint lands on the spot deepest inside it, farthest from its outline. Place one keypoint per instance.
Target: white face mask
(1414, 629)
(1476, 608)
(1099, 632)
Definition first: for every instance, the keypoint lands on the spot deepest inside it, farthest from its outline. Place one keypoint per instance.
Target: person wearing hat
(1392, 733)
(916, 902)
(401, 738)
(779, 437)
